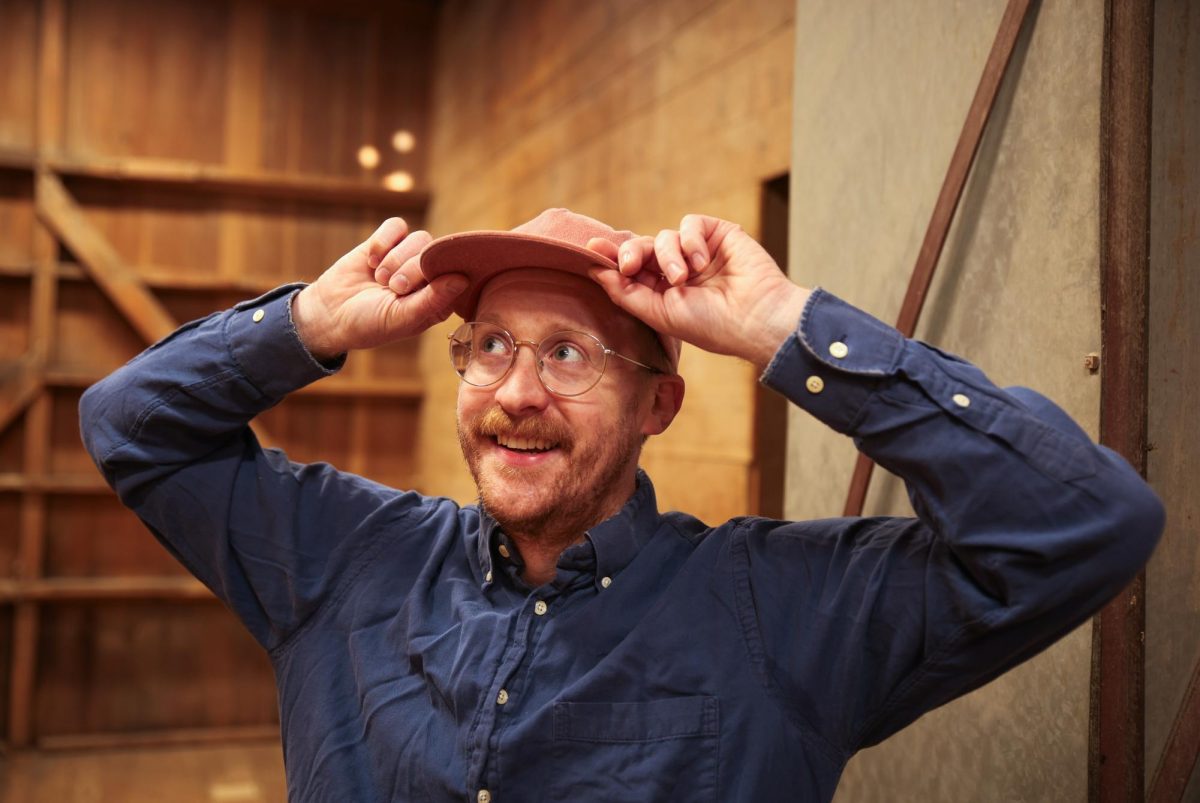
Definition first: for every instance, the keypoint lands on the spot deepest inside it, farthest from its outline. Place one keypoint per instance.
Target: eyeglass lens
(568, 363)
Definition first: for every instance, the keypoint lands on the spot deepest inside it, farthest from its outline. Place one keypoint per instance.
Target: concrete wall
(880, 96)
(1173, 577)
(635, 113)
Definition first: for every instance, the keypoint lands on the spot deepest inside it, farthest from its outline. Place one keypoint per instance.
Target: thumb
(434, 302)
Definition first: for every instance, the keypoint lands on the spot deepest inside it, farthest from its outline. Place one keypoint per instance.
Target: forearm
(1004, 476)
(192, 392)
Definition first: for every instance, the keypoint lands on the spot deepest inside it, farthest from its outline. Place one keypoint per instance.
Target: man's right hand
(373, 295)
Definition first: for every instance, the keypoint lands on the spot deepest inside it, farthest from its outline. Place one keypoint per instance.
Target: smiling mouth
(524, 445)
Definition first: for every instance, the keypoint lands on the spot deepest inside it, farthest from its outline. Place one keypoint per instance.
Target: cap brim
(481, 255)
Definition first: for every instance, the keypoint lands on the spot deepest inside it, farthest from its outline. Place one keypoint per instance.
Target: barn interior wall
(634, 113)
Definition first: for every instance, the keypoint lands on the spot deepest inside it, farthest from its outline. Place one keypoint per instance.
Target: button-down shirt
(667, 659)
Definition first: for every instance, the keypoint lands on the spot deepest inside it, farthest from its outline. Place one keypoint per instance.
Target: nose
(521, 391)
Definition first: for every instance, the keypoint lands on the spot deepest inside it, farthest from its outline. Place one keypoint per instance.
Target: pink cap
(556, 239)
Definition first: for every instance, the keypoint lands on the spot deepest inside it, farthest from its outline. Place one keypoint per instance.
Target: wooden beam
(1181, 755)
(20, 383)
(1116, 744)
(219, 180)
(947, 204)
(59, 211)
(97, 589)
(161, 738)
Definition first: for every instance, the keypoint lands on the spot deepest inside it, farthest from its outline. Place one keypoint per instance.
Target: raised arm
(169, 431)
(1025, 527)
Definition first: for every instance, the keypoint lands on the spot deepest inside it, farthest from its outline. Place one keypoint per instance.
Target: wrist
(777, 325)
(312, 327)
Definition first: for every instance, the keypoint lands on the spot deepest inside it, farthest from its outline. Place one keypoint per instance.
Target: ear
(668, 398)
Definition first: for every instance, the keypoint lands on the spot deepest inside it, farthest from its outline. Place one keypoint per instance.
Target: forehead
(531, 301)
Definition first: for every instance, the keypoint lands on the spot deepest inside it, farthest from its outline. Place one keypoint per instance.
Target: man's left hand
(708, 283)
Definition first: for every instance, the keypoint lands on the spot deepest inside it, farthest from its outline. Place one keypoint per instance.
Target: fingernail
(676, 272)
(402, 280)
(698, 260)
(626, 258)
(457, 284)
(372, 261)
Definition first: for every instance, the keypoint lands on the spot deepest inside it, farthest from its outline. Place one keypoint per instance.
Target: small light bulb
(368, 157)
(403, 141)
(398, 181)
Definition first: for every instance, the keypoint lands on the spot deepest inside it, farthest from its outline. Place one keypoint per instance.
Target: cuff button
(815, 384)
(258, 315)
(962, 400)
(838, 349)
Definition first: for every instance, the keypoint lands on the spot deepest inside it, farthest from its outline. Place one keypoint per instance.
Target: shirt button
(961, 400)
(502, 697)
(815, 384)
(503, 550)
(838, 349)
(539, 607)
(488, 577)
(484, 796)
(258, 315)
(605, 582)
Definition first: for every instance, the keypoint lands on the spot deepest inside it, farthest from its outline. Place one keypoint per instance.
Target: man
(564, 639)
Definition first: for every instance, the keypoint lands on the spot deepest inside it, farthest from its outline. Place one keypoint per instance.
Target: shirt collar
(616, 540)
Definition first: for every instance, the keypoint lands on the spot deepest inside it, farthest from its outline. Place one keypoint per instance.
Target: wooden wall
(634, 112)
(160, 159)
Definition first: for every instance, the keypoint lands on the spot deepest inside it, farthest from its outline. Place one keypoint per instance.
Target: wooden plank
(97, 589)
(58, 210)
(57, 484)
(29, 568)
(334, 387)
(276, 185)
(946, 205)
(50, 78)
(161, 738)
(20, 383)
(1116, 745)
(1181, 755)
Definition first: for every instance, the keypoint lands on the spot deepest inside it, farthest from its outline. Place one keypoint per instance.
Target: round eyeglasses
(568, 363)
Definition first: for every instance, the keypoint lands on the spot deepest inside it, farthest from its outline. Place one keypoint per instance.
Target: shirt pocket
(645, 750)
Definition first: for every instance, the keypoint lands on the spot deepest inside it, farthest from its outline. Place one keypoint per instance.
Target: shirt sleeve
(1024, 529)
(170, 433)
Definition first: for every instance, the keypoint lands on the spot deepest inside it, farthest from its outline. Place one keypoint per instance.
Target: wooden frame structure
(28, 380)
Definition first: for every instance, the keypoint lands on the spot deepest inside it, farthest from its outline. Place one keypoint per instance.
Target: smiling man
(563, 638)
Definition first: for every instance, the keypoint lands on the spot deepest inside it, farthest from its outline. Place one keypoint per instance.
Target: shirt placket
(483, 770)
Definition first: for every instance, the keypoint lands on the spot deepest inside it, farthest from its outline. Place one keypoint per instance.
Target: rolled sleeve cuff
(833, 362)
(266, 347)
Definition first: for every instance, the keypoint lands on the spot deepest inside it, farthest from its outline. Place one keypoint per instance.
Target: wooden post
(1116, 746)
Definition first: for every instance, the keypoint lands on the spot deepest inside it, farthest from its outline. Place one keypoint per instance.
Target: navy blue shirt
(667, 659)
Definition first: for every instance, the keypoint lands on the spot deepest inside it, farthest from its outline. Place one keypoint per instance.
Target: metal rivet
(258, 315)
(815, 384)
(1092, 363)
(961, 400)
(838, 349)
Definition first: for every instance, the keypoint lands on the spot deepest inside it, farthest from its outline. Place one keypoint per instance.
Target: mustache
(494, 422)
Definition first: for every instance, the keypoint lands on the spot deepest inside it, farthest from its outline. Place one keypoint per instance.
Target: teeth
(524, 444)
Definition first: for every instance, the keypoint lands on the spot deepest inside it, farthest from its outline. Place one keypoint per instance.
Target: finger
(384, 239)
(431, 304)
(398, 257)
(603, 247)
(635, 255)
(408, 278)
(631, 295)
(670, 256)
(694, 231)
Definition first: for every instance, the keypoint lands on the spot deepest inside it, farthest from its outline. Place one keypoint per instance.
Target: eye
(492, 344)
(565, 351)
